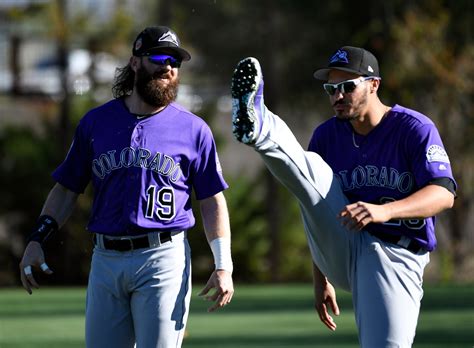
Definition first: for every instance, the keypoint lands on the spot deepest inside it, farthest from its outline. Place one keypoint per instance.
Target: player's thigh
(160, 303)
(387, 294)
(108, 317)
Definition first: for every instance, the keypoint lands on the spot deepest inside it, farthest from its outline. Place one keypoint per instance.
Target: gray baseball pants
(385, 279)
(140, 296)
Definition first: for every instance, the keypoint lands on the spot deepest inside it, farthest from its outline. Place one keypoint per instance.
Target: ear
(374, 86)
(135, 63)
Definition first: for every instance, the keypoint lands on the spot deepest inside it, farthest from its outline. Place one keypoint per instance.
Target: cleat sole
(244, 86)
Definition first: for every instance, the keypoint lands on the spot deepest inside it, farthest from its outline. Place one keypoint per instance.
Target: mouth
(161, 81)
(341, 106)
(162, 75)
(161, 78)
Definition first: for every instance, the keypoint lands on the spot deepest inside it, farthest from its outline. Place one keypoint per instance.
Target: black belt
(128, 243)
(413, 246)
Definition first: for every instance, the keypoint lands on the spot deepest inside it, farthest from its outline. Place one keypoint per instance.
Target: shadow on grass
(241, 340)
(446, 319)
(270, 303)
(427, 338)
(448, 297)
(444, 338)
(69, 343)
(40, 308)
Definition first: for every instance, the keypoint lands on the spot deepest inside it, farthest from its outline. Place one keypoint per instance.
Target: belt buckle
(130, 240)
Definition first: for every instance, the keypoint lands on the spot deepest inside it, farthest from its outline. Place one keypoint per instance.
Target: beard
(155, 91)
(342, 116)
(357, 106)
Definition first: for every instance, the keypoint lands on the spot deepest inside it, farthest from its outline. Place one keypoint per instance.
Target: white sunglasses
(347, 86)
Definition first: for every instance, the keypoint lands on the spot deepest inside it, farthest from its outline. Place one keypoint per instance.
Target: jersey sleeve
(208, 177)
(312, 146)
(316, 143)
(74, 172)
(430, 160)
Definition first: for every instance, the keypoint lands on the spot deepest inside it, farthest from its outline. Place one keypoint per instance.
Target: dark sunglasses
(164, 59)
(347, 86)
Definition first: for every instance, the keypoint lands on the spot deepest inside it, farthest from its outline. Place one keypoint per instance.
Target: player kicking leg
(304, 173)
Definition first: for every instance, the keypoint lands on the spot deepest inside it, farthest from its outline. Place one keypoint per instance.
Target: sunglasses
(164, 59)
(347, 86)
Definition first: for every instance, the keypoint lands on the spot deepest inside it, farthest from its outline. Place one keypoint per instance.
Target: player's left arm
(428, 201)
(324, 298)
(215, 218)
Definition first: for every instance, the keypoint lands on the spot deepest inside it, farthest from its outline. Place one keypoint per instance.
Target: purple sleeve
(75, 171)
(208, 178)
(430, 160)
(318, 142)
(313, 143)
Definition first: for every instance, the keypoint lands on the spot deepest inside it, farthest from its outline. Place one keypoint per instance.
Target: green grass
(259, 317)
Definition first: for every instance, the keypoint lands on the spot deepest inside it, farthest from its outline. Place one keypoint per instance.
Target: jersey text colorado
(140, 157)
(369, 175)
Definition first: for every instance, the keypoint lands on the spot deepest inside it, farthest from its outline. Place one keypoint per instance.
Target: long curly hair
(124, 80)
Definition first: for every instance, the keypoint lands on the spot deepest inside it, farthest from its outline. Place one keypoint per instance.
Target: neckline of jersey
(140, 116)
(358, 140)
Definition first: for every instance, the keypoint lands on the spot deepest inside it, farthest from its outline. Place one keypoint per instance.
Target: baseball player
(144, 155)
(368, 188)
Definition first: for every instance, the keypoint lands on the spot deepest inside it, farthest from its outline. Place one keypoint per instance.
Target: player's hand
(33, 257)
(358, 215)
(325, 297)
(221, 281)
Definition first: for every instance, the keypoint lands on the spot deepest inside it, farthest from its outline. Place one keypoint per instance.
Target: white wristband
(222, 256)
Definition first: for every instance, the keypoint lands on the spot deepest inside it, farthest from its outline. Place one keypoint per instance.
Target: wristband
(45, 226)
(222, 256)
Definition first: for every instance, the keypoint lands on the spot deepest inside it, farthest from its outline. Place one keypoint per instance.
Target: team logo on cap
(436, 153)
(169, 37)
(138, 44)
(339, 57)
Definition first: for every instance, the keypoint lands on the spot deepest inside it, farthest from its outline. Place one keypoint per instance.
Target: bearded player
(368, 188)
(144, 155)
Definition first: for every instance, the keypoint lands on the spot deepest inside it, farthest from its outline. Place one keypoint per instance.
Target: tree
(425, 49)
(434, 55)
(426, 53)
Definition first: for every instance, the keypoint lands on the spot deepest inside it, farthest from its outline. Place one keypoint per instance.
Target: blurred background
(58, 60)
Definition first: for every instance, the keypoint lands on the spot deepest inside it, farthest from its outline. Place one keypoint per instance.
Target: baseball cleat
(247, 100)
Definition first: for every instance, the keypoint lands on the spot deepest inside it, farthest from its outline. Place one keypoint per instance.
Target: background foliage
(425, 50)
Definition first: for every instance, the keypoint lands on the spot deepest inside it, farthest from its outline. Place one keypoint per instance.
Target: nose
(166, 67)
(161, 70)
(337, 95)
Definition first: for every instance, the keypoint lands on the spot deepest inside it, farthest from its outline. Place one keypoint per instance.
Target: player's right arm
(324, 297)
(59, 206)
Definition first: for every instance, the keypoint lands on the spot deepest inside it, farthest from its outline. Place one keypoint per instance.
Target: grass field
(259, 317)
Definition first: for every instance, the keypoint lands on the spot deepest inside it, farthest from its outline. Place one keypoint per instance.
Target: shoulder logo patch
(436, 153)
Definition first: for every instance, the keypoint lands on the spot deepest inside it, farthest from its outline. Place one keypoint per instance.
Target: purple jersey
(143, 170)
(398, 157)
